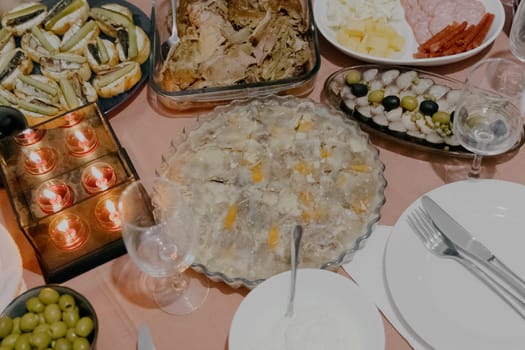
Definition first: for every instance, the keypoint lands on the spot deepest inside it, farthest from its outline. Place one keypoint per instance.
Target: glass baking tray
(170, 168)
(206, 98)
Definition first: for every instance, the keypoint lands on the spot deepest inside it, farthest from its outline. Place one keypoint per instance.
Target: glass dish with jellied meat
(254, 169)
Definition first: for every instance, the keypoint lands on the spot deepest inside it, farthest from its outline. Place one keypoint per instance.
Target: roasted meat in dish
(224, 43)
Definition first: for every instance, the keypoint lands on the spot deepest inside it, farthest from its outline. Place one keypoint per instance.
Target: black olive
(359, 89)
(428, 107)
(391, 102)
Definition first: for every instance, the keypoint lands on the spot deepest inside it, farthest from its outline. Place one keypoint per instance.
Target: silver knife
(145, 341)
(468, 244)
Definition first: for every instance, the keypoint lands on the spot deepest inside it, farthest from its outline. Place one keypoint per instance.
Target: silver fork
(442, 247)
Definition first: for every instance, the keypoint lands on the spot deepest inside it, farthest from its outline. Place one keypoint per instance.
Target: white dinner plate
(439, 299)
(331, 312)
(10, 268)
(405, 57)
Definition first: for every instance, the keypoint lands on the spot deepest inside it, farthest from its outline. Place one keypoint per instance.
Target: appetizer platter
(59, 55)
(410, 32)
(410, 106)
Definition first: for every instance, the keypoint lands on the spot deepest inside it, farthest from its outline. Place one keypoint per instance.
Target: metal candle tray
(63, 179)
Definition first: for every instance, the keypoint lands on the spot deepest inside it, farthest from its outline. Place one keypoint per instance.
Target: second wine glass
(487, 118)
(162, 240)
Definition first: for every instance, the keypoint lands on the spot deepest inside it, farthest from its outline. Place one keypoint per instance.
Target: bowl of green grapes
(49, 317)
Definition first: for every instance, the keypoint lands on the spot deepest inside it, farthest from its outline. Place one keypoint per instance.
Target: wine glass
(487, 118)
(517, 31)
(162, 240)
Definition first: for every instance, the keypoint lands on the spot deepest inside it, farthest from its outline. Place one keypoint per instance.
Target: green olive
(23, 342)
(70, 317)
(42, 328)
(352, 76)
(66, 301)
(35, 305)
(80, 344)
(409, 103)
(40, 340)
(441, 117)
(28, 322)
(84, 326)
(376, 96)
(6, 325)
(63, 344)
(41, 318)
(71, 335)
(16, 325)
(10, 340)
(52, 313)
(48, 296)
(58, 329)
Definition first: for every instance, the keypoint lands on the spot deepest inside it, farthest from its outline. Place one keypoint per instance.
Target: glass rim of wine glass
(504, 63)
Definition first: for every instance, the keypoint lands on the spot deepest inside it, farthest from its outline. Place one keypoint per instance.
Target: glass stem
(475, 169)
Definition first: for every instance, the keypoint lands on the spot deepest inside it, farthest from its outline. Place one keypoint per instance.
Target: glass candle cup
(29, 137)
(107, 214)
(98, 177)
(81, 140)
(54, 195)
(40, 161)
(68, 231)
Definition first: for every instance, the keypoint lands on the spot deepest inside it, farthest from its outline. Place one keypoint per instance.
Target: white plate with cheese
(405, 56)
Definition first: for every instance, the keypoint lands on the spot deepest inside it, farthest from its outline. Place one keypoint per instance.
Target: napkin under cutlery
(367, 269)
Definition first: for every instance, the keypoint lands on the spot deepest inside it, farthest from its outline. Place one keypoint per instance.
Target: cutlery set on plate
(445, 237)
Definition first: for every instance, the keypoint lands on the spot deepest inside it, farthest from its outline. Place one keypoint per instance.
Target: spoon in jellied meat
(297, 234)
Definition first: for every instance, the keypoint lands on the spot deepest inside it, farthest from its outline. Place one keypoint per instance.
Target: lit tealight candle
(108, 215)
(68, 231)
(72, 119)
(98, 177)
(29, 137)
(54, 195)
(81, 141)
(40, 161)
